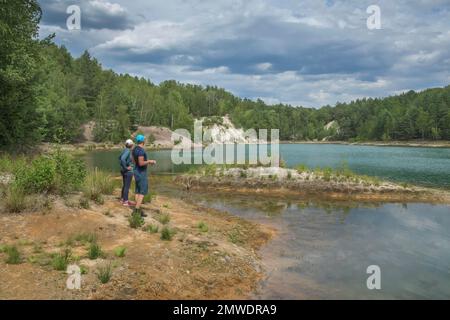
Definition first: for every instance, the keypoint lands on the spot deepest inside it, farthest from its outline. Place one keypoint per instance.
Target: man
(140, 172)
(126, 169)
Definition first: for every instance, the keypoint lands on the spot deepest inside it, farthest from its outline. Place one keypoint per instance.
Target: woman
(126, 169)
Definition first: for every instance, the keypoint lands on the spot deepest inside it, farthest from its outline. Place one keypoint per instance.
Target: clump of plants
(202, 226)
(13, 255)
(167, 234)
(120, 252)
(98, 183)
(94, 251)
(163, 218)
(152, 228)
(104, 273)
(61, 260)
(136, 220)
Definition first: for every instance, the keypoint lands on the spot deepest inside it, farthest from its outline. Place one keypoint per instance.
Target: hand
(152, 162)
(129, 168)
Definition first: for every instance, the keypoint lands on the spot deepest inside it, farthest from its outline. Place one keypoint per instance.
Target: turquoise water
(421, 166)
(322, 251)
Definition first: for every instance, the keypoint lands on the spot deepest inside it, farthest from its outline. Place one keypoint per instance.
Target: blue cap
(140, 138)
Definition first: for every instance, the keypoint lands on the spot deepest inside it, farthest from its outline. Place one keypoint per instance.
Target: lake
(322, 250)
(415, 165)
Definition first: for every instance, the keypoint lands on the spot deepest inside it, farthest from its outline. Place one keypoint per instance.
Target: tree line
(47, 95)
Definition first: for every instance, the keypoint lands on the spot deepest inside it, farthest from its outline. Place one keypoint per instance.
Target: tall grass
(15, 200)
(98, 183)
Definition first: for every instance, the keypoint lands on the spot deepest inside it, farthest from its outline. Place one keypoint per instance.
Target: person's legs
(123, 185)
(128, 176)
(140, 191)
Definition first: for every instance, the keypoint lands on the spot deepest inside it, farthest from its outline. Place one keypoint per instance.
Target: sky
(304, 52)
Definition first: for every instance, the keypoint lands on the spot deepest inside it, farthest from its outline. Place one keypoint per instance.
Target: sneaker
(143, 214)
(126, 204)
(131, 203)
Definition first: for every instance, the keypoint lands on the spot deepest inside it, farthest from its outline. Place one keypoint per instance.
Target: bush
(38, 177)
(70, 173)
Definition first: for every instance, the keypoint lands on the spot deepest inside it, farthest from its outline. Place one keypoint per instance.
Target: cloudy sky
(302, 52)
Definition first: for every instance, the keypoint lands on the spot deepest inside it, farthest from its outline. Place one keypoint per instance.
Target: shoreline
(218, 261)
(413, 143)
(325, 185)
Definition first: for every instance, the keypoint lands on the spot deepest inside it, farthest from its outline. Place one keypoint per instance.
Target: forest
(46, 95)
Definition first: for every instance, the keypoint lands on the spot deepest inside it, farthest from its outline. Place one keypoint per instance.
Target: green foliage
(85, 238)
(202, 226)
(163, 218)
(15, 200)
(94, 251)
(104, 273)
(167, 234)
(120, 252)
(136, 220)
(152, 228)
(61, 260)
(301, 168)
(13, 255)
(96, 184)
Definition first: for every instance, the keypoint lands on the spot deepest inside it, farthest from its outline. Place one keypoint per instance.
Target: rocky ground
(323, 185)
(219, 261)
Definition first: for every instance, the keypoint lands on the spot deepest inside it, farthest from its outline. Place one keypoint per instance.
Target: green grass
(94, 251)
(98, 183)
(167, 234)
(163, 218)
(13, 255)
(135, 220)
(301, 168)
(15, 200)
(235, 235)
(61, 260)
(120, 252)
(104, 273)
(152, 228)
(202, 226)
(85, 238)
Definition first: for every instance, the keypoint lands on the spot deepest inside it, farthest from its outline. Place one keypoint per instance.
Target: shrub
(301, 168)
(70, 172)
(85, 238)
(94, 251)
(203, 226)
(167, 234)
(38, 177)
(104, 273)
(136, 220)
(13, 255)
(120, 252)
(61, 260)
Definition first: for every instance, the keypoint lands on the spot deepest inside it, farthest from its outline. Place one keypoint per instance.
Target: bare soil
(221, 263)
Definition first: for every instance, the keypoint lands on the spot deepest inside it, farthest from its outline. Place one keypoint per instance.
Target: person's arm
(123, 161)
(142, 162)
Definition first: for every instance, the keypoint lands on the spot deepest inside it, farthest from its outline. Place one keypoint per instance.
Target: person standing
(126, 169)
(140, 172)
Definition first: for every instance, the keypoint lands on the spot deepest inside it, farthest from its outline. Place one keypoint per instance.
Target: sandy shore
(218, 263)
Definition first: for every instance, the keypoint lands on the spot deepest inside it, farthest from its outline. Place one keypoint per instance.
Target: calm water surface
(421, 166)
(323, 250)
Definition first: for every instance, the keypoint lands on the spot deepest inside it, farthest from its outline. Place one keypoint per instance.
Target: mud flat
(326, 185)
(212, 254)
